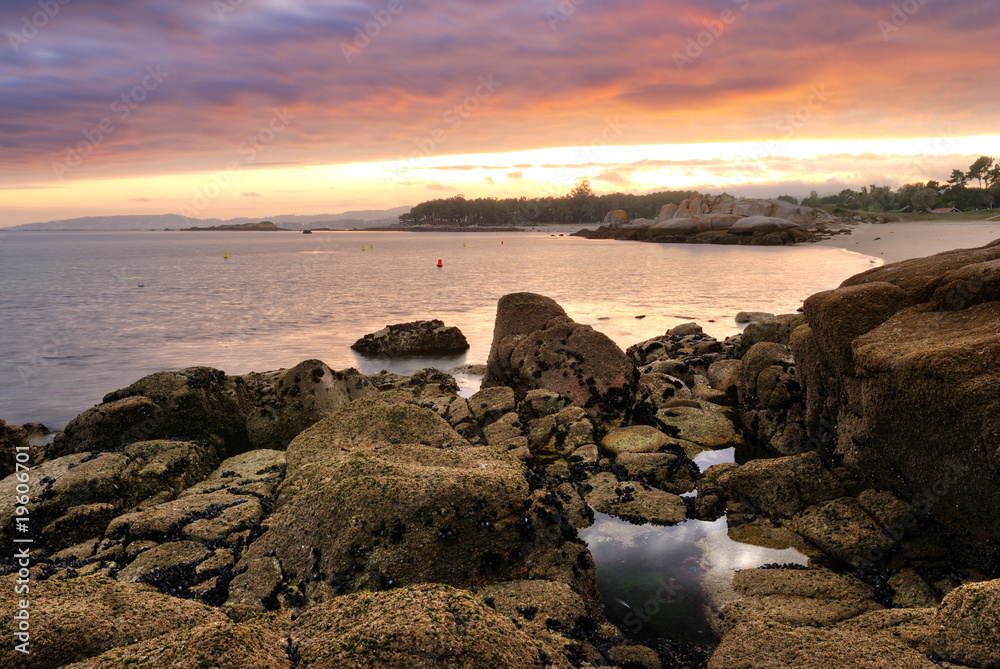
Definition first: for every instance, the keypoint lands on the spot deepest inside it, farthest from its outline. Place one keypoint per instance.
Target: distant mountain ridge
(367, 218)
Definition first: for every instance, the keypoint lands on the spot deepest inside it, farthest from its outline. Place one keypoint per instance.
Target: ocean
(85, 313)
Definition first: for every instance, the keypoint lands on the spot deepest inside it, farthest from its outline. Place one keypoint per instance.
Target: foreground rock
(422, 626)
(419, 338)
(77, 619)
(771, 401)
(536, 345)
(78, 495)
(225, 645)
(381, 494)
(901, 368)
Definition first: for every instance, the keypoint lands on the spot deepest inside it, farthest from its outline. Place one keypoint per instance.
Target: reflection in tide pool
(656, 581)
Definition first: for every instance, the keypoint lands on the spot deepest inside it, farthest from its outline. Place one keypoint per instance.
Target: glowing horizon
(260, 108)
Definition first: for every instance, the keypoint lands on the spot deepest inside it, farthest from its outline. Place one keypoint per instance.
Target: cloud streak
(608, 58)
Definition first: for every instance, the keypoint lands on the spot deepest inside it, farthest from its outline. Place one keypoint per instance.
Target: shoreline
(893, 242)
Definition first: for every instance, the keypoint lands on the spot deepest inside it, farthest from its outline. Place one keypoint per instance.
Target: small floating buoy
(440, 264)
(463, 245)
(362, 247)
(371, 246)
(501, 241)
(225, 255)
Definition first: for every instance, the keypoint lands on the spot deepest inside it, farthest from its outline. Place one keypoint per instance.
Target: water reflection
(662, 582)
(77, 326)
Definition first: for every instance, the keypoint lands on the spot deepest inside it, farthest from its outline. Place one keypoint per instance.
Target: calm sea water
(85, 313)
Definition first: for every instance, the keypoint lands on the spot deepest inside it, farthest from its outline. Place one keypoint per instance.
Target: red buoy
(439, 263)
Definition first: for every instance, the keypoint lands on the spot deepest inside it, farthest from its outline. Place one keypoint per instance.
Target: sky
(226, 108)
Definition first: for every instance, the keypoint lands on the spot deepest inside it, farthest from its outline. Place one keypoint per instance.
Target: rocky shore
(317, 518)
(722, 220)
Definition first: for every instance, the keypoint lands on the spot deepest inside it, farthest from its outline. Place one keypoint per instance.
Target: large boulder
(776, 329)
(418, 338)
(874, 640)
(779, 487)
(198, 403)
(536, 345)
(796, 597)
(752, 224)
(901, 368)
(292, 400)
(381, 494)
(615, 219)
(967, 625)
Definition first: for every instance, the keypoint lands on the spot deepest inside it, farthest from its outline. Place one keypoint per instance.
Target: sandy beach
(892, 242)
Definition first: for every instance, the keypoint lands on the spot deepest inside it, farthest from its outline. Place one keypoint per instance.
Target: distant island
(262, 226)
(348, 220)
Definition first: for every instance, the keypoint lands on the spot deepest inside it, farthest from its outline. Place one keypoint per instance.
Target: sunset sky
(224, 108)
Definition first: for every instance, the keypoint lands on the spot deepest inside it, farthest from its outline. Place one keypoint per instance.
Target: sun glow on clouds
(409, 116)
(789, 166)
(687, 165)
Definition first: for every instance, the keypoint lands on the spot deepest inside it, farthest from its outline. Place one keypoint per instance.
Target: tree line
(580, 205)
(976, 188)
(958, 192)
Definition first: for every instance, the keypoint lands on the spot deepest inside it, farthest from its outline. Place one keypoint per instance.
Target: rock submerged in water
(418, 338)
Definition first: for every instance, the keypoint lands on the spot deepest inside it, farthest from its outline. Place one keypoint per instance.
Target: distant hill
(347, 220)
(263, 225)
